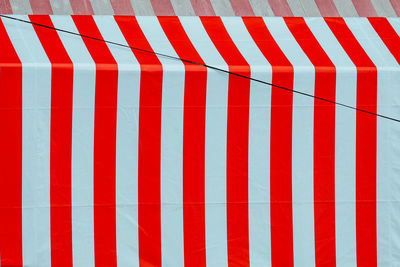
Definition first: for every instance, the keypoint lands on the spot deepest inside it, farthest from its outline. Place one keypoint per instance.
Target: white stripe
(127, 143)
(383, 8)
(171, 144)
(142, 7)
(395, 22)
(183, 7)
(296, 8)
(345, 143)
(102, 7)
(261, 8)
(302, 8)
(259, 143)
(215, 144)
(36, 103)
(21, 7)
(222, 7)
(61, 7)
(391, 98)
(82, 143)
(346, 8)
(388, 83)
(310, 8)
(302, 146)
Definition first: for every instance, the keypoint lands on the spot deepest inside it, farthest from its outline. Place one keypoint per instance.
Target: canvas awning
(112, 156)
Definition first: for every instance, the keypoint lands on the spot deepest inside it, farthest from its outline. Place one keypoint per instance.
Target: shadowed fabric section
(42, 7)
(5, 7)
(280, 8)
(81, 7)
(122, 7)
(364, 8)
(327, 8)
(396, 6)
(162, 7)
(202, 7)
(242, 7)
(286, 8)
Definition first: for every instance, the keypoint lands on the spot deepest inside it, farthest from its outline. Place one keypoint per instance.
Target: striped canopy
(325, 8)
(113, 156)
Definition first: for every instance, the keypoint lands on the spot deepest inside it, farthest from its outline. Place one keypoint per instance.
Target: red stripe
(60, 142)
(41, 7)
(237, 143)
(202, 8)
(324, 143)
(327, 8)
(149, 143)
(81, 7)
(388, 35)
(193, 143)
(364, 8)
(365, 144)
(280, 8)
(162, 8)
(396, 6)
(122, 7)
(5, 7)
(281, 144)
(104, 143)
(242, 7)
(11, 153)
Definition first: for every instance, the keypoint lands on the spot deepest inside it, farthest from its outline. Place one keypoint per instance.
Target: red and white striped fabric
(115, 157)
(302, 8)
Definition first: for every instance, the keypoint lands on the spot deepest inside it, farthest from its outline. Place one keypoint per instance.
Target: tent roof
(344, 8)
(109, 153)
